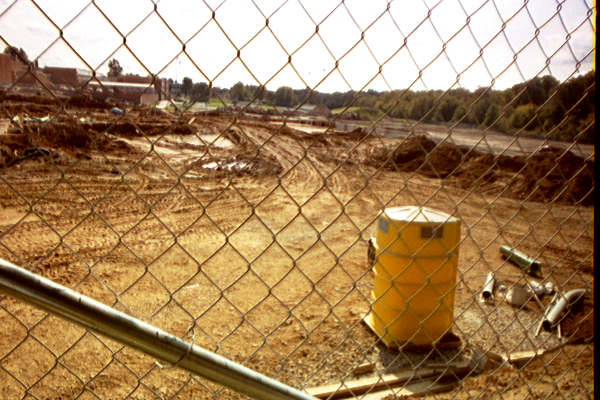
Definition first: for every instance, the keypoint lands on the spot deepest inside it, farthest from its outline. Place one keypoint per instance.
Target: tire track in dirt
(306, 338)
(298, 158)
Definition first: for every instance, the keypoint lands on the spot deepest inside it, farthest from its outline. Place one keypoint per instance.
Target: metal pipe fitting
(488, 287)
(527, 264)
(554, 312)
(537, 288)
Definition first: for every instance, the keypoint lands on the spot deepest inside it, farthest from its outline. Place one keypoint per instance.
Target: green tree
(419, 106)
(200, 92)
(114, 68)
(255, 92)
(585, 130)
(522, 117)
(550, 114)
(338, 99)
(549, 83)
(394, 104)
(483, 102)
(493, 118)
(463, 115)
(238, 92)
(446, 108)
(284, 96)
(574, 90)
(187, 86)
(530, 92)
(302, 96)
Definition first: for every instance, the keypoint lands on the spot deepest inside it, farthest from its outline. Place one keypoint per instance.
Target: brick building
(132, 88)
(6, 69)
(11, 69)
(62, 76)
(136, 93)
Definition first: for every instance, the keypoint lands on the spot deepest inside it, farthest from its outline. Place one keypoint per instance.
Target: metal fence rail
(97, 317)
(334, 199)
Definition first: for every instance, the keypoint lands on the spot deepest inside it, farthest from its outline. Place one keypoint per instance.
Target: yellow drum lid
(411, 229)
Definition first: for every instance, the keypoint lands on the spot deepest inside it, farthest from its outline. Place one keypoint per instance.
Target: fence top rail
(100, 318)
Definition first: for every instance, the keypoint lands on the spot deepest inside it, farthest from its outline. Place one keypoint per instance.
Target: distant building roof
(85, 72)
(121, 84)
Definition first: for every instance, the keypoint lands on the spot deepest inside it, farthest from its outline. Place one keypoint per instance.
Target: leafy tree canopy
(114, 68)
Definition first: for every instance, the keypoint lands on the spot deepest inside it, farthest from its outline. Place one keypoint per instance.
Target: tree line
(540, 106)
(284, 96)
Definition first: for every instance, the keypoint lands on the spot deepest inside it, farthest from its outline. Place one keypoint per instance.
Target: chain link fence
(356, 200)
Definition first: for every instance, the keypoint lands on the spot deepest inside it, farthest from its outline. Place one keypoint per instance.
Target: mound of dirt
(125, 129)
(287, 130)
(355, 134)
(14, 103)
(421, 154)
(443, 160)
(181, 129)
(87, 101)
(557, 176)
(546, 176)
(23, 98)
(6, 156)
(476, 170)
(508, 163)
(412, 149)
(60, 135)
(151, 113)
(35, 139)
(128, 129)
(32, 109)
(17, 147)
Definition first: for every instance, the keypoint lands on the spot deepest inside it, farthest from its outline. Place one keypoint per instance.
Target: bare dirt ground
(251, 239)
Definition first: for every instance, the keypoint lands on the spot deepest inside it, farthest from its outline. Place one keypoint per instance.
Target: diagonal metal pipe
(553, 314)
(75, 307)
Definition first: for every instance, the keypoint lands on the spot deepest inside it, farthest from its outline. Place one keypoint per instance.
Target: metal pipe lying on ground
(528, 265)
(488, 287)
(554, 312)
(537, 292)
(91, 314)
(536, 288)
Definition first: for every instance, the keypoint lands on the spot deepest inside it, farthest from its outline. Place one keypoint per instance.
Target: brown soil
(424, 156)
(256, 247)
(578, 324)
(13, 103)
(569, 370)
(549, 176)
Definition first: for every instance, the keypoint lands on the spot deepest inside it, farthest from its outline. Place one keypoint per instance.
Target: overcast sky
(399, 37)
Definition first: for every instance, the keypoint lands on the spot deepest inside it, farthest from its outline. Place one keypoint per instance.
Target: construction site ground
(250, 239)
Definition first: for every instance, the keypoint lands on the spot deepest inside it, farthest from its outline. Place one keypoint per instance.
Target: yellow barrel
(414, 275)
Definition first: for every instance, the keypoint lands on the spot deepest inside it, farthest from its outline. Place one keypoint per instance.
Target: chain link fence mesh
(240, 216)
